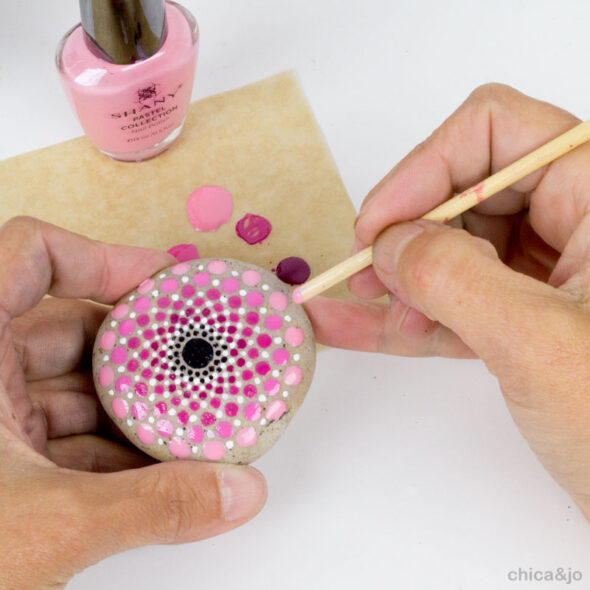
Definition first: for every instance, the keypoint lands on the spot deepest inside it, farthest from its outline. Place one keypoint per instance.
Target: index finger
(495, 126)
(37, 258)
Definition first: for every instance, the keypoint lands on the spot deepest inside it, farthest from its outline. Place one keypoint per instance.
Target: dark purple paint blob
(253, 228)
(293, 270)
(184, 252)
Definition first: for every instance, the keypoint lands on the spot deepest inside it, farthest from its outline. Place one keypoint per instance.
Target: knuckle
(182, 508)
(490, 92)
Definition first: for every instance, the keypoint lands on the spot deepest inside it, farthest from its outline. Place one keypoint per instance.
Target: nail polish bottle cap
(124, 31)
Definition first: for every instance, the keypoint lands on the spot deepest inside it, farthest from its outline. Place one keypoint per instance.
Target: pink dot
(120, 311)
(184, 252)
(132, 366)
(264, 340)
(201, 279)
(187, 291)
(120, 407)
(254, 299)
(253, 411)
(133, 342)
(141, 389)
(280, 356)
(164, 428)
(105, 376)
(119, 355)
(247, 375)
(252, 318)
(213, 294)
(217, 267)
(231, 409)
(126, 327)
(272, 386)
(292, 375)
(145, 434)
(163, 302)
(213, 450)
(207, 419)
(183, 417)
(180, 269)
(107, 340)
(246, 437)
(169, 285)
(273, 322)
(250, 390)
(179, 447)
(142, 304)
(230, 285)
(143, 320)
(294, 336)
(224, 429)
(253, 353)
(123, 384)
(234, 302)
(262, 368)
(139, 410)
(195, 434)
(275, 410)
(145, 286)
(297, 296)
(251, 277)
(278, 301)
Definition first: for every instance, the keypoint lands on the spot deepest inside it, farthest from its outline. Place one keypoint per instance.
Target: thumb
(458, 280)
(166, 503)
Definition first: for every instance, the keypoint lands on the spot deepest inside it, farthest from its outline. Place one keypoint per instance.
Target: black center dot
(197, 353)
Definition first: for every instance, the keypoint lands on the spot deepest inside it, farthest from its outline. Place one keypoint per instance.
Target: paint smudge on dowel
(184, 252)
(209, 207)
(293, 270)
(253, 229)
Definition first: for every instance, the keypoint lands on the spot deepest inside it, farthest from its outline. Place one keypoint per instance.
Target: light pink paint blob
(123, 384)
(230, 285)
(169, 285)
(139, 410)
(164, 428)
(297, 296)
(251, 277)
(145, 286)
(195, 434)
(246, 437)
(142, 304)
(120, 311)
(294, 336)
(213, 450)
(209, 207)
(119, 355)
(126, 327)
(253, 411)
(146, 434)
(280, 356)
(254, 299)
(275, 409)
(278, 301)
(224, 429)
(179, 447)
(120, 407)
(292, 375)
(184, 252)
(107, 340)
(217, 267)
(105, 376)
(180, 269)
(272, 386)
(201, 279)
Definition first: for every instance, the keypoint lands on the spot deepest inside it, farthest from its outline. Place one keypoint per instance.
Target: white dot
(239, 384)
(236, 422)
(166, 382)
(154, 326)
(146, 344)
(200, 293)
(262, 310)
(136, 377)
(184, 402)
(241, 311)
(229, 444)
(129, 422)
(123, 340)
(160, 441)
(165, 323)
(121, 369)
(224, 396)
(132, 314)
(278, 340)
(105, 358)
(218, 414)
(130, 395)
(151, 419)
(145, 364)
(171, 412)
(151, 397)
(262, 398)
(131, 297)
(111, 392)
(189, 301)
(250, 342)
(288, 318)
(166, 395)
(264, 354)
(113, 324)
(209, 304)
(195, 450)
(152, 381)
(285, 394)
(234, 273)
(193, 418)
(175, 297)
(210, 434)
(242, 292)
(257, 329)
(184, 279)
(263, 422)
(139, 332)
(296, 357)
(275, 373)
(179, 431)
(215, 282)
(200, 267)
(240, 399)
(265, 287)
(135, 355)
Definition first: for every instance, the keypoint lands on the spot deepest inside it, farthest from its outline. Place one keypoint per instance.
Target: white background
(435, 489)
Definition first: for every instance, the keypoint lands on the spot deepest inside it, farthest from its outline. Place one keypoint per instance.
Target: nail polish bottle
(128, 70)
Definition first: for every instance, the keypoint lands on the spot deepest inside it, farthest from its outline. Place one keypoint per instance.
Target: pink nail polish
(128, 70)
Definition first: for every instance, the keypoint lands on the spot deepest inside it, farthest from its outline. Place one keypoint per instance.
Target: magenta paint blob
(184, 252)
(293, 270)
(253, 229)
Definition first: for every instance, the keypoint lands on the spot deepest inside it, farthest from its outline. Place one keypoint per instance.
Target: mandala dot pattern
(206, 360)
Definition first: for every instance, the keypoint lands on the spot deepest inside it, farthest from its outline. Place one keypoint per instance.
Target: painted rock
(206, 360)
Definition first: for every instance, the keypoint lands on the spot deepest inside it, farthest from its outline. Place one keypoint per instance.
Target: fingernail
(391, 244)
(242, 492)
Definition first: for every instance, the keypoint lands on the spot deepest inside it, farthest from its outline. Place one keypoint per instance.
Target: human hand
(512, 287)
(57, 518)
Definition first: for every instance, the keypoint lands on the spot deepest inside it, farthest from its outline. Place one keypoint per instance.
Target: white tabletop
(438, 490)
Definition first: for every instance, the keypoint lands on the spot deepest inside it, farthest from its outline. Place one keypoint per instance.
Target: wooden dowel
(456, 205)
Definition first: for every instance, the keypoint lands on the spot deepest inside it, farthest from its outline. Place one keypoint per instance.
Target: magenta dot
(272, 386)
(275, 410)
(280, 356)
(213, 294)
(247, 332)
(142, 304)
(146, 373)
(175, 401)
(253, 353)
(148, 334)
(231, 409)
(159, 389)
(187, 291)
(183, 417)
(250, 390)
(264, 340)
(293, 375)
(273, 322)
(195, 434)
(141, 389)
(160, 408)
(181, 268)
(184, 252)
(201, 279)
(254, 299)
(202, 395)
(224, 429)
(133, 342)
(262, 368)
(246, 437)
(216, 402)
(234, 302)
(251, 277)
(235, 318)
(133, 365)
(169, 285)
(163, 302)
(241, 343)
(240, 362)
(194, 406)
(119, 355)
(252, 318)
(247, 375)
(207, 419)
(177, 305)
(218, 307)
